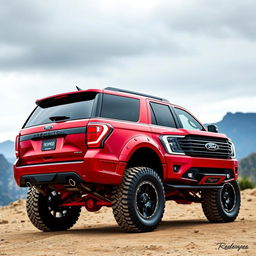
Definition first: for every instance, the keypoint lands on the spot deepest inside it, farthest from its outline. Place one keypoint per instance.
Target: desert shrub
(245, 183)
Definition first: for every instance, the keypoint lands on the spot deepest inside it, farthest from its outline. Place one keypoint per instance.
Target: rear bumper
(90, 170)
(49, 178)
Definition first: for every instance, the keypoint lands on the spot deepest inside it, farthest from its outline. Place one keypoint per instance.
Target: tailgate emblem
(48, 127)
(211, 146)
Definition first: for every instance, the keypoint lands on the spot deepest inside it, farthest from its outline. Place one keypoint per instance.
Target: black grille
(194, 145)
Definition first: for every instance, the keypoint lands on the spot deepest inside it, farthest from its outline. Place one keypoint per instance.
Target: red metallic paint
(106, 165)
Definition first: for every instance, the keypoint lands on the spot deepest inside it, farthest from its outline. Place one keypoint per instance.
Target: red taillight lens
(97, 134)
(17, 142)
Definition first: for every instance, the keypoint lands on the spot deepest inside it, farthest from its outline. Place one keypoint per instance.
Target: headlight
(171, 144)
(233, 149)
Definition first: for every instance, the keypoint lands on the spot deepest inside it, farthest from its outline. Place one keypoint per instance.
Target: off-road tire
(128, 208)
(37, 206)
(214, 203)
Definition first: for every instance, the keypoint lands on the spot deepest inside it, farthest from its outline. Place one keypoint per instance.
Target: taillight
(17, 142)
(97, 134)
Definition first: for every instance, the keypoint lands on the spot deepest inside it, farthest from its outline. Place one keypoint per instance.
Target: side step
(193, 186)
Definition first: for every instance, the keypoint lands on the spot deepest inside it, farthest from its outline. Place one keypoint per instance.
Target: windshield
(188, 121)
(71, 107)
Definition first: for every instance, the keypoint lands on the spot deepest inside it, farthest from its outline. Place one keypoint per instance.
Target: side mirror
(212, 128)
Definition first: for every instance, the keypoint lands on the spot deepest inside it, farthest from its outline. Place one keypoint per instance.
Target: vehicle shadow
(173, 224)
(114, 229)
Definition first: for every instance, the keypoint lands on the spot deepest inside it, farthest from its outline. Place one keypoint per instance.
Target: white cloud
(199, 54)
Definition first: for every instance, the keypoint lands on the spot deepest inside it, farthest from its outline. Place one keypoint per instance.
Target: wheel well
(146, 157)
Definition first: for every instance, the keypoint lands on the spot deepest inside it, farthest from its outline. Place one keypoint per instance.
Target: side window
(188, 122)
(162, 115)
(122, 108)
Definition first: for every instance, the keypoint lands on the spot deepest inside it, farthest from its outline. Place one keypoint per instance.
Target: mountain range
(247, 167)
(240, 127)
(9, 191)
(7, 149)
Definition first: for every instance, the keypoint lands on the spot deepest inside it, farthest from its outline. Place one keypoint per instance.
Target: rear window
(122, 108)
(71, 107)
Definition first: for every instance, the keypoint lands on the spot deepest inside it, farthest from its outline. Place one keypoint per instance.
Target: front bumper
(188, 170)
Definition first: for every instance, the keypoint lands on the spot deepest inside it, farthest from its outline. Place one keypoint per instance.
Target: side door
(161, 117)
(163, 121)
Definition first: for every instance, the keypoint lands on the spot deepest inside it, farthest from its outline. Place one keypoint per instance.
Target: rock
(4, 222)
(253, 192)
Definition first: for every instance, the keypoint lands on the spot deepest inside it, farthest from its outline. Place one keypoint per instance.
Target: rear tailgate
(56, 130)
(60, 144)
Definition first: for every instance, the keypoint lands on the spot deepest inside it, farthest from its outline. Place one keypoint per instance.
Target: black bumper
(49, 178)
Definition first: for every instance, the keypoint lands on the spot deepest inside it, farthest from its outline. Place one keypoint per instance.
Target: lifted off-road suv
(124, 150)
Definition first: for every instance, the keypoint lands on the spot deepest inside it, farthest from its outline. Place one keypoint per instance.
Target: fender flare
(138, 142)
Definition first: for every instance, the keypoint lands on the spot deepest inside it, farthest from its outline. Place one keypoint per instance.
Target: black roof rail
(136, 93)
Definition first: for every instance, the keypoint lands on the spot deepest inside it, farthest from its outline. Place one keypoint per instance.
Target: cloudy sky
(198, 54)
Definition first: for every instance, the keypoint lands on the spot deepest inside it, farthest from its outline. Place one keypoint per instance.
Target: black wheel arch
(146, 157)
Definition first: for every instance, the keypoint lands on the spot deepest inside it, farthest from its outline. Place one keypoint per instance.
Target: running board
(193, 186)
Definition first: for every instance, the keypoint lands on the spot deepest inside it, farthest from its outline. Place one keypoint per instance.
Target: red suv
(125, 150)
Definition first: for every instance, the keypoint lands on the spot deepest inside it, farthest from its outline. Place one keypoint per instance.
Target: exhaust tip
(28, 184)
(71, 182)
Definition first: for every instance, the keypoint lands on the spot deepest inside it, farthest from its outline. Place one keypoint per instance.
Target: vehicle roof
(108, 90)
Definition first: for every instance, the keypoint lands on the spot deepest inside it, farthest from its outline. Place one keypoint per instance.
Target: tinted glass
(188, 122)
(162, 115)
(68, 108)
(122, 108)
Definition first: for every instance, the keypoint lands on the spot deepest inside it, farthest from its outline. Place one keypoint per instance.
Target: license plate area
(48, 144)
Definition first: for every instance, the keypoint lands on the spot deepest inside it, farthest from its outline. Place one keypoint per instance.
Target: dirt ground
(184, 231)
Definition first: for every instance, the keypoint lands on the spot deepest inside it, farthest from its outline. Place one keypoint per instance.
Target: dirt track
(184, 231)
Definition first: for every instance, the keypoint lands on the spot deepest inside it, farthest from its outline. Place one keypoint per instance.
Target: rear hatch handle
(58, 118)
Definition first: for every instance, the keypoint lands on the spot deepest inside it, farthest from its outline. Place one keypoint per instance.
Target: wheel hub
(146, 200)
(228, 197)
(54, 202)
